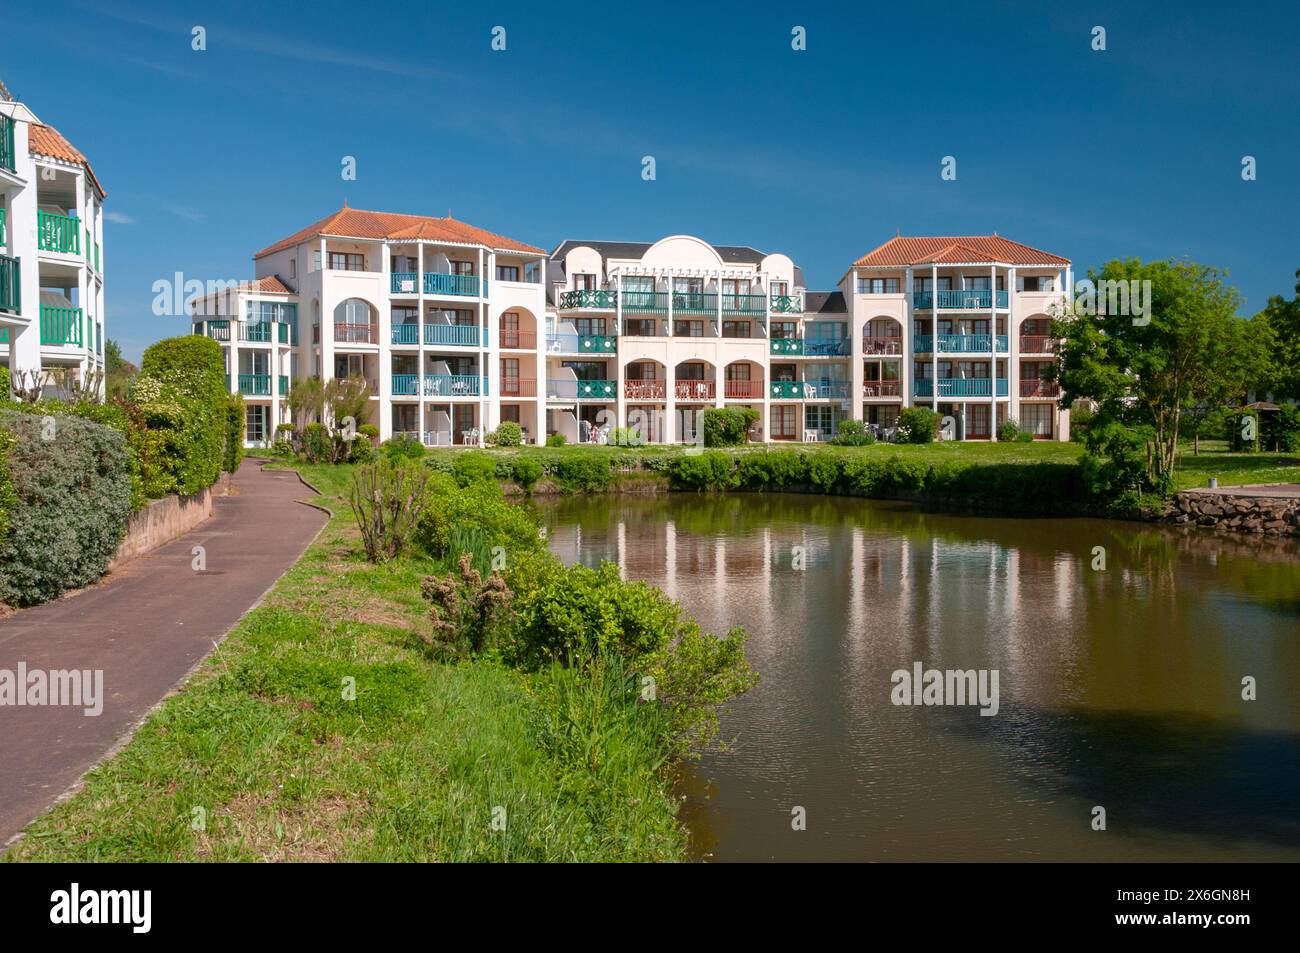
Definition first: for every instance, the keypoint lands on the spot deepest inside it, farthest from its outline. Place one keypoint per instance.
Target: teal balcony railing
(436, 283)
(962, 343)
(458, 335)
(959, 387)
(406, 385)
(973, 298)
(786, 390)
(744, 304)
(61, 326)
(287, 333)
(645, 302)
(581, 344)
(405, 282)
(60, 233)
(582, 390)
(284, 384)
(694, 302)
(454, 385)
(2, 227)
(255, 385)
(583, 298)
(218, 329)
(11, 291)
(406, 333)
(827, 347)
(791, 346)
(6, 143)
(257, 332)
(825, 390)
(787, 304)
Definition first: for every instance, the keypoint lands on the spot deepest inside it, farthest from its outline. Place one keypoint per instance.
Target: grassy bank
(261, 757)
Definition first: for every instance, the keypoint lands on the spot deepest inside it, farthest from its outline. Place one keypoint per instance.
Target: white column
(934, 338)
(1013, 349)
(857, 329)
(906, 365)
(993, 342)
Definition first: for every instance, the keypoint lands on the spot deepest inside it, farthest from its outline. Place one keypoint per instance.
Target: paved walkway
(146, 626)
(1272, 491)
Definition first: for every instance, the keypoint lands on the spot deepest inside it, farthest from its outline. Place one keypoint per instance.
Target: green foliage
(556, 440)
(1009, 430)
(727, 426)
(508, 434)
(526, 471)
(234, 449)
(469, 612)
(1282, 429)
(1280, 325)
(1081, 416)
(7, 495)
(853, 433)
(387, 499)
(403, 446)
(479, 507)
(1024, 437)
(182, 399)
(118, 371)
(917, 425)
(712, 470)
(68, 505)
(576, 615)
(582, 473)
(473, 466)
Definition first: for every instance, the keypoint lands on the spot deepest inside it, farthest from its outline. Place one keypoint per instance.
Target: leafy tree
(1282, 319)
(119, 372)
(1145, 374)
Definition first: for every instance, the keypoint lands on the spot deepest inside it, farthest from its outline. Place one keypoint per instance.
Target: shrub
(574, 615)
(234, 436)
(823, 470)
(509, 434)
(1009, 430)
(468, 611)
(182, 396)
(387, 499)
(917, 425)
(473, 467)
(773, 469)
(1080, 420)
(581, 473)
(403, 446)
(627, 437)
(727, 426)
(556, 440)
(526, 472)
(1282, 429)
(69, 504)
(853, 433)
(1025, 437)
(480, 508)
(713, 470)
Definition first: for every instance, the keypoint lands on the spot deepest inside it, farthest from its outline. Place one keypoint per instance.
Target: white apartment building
(51, 250)
(440, 318)
(961, 325)
(456, 329)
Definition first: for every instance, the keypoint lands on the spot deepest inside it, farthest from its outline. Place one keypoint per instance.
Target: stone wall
(1268, 515)
(160, 522)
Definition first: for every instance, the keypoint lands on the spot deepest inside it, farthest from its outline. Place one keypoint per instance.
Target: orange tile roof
(269, 285)
(47, 141)
(902, 251)
(358, 223)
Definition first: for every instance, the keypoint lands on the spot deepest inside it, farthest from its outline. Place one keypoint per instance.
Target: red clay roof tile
(359, 223)
(916, 250)
(47, 141)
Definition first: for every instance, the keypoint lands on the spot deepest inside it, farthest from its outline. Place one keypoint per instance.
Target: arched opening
(743, 380)
(355, 322)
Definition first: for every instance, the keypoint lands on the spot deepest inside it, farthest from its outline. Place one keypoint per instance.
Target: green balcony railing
(453, 385)
(959, 387)
(459, 335)
(97, 256)
(286, 333)
(744, 304)
(406, 385)
(406, 333)
(436, 283)
(582, 390)
(581, 343)
(61, 325)
(694, 302)
(60, 233)
(11, 290)
(2, 227)
(583, 298)
(973, 298)
(645, 302)
(4, 335)
(786, 390)
(404, 282)
(787, 304)
(255, 385)
(218, 330)
(257, 332)
(284, 384)
(7, 143)
(786, 346)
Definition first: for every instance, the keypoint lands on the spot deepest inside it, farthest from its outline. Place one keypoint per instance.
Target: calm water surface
(1119, 688)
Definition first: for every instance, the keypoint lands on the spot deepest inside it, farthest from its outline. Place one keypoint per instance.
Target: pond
(1119, 652)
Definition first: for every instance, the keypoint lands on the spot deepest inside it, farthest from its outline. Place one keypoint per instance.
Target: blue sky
(823, 154)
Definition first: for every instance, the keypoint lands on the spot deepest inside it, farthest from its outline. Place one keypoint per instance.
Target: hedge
(1025, 487)
(71, 497)
(182, 396)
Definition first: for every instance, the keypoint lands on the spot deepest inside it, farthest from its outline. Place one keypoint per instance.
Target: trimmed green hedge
(70, 504)
(1026, 487)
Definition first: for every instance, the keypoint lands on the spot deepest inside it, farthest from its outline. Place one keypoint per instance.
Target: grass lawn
(264, 749)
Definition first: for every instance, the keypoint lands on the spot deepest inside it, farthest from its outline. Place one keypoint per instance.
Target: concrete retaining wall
(160, 522)
(1267, 515)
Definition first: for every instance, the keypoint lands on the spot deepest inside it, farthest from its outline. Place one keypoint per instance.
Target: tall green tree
(1282, 317)
(118, 371)
(1145, 372)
